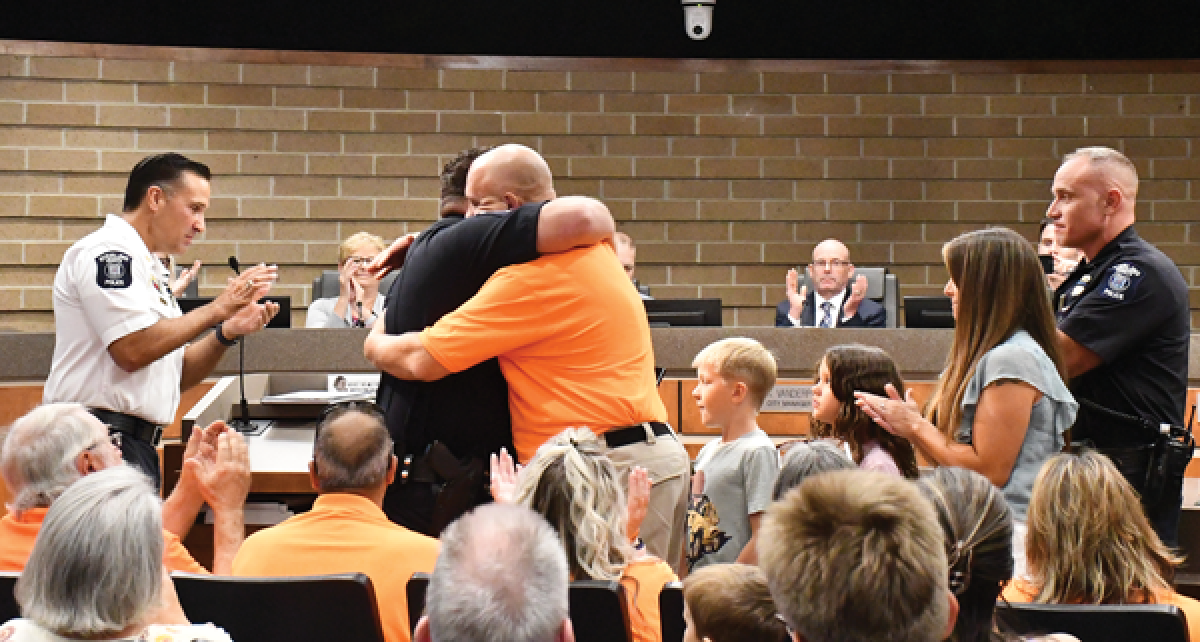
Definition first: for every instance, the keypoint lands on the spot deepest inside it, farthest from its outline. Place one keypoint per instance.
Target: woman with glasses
(358, 303)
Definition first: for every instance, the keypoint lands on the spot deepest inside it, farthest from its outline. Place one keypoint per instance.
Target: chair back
(599, 612)
(1089, 622)
(598, 609)
(314, 608)
(415, 591)
(9, 609)
(670, 612)
(328, 286)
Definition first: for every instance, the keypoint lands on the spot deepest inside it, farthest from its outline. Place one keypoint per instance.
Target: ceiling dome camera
(697, 18)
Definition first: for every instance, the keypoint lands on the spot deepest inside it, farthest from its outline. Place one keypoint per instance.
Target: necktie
(827, 319)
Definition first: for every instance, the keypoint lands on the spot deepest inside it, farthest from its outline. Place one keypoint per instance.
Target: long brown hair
(1089, 540)
(866, 368)
(1001, 289)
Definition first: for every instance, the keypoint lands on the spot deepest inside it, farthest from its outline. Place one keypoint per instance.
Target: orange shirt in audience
(17, 537)
(643, 581)
(1024, 591)
(572, 339)
(344, 533)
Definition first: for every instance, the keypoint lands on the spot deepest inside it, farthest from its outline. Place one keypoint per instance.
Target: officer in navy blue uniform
(1123, 320)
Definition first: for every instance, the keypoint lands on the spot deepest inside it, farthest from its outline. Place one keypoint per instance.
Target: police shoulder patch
(114, 270)
(1122, 281)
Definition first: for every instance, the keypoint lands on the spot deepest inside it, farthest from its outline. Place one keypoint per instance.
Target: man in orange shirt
(216, 470)
(347, 531)
(573, 342)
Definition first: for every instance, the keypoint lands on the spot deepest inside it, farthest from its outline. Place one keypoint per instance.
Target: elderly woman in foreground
(96, 571)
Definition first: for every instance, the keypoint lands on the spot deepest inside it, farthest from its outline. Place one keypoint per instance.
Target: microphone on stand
(245, 424)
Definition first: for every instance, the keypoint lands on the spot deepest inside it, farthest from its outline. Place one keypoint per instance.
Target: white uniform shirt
(109, 285)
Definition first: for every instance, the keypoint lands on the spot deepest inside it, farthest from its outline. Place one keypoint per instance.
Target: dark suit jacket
(870, 314)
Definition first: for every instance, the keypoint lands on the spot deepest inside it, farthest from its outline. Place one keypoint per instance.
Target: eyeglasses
(829, 263)
(360, 260)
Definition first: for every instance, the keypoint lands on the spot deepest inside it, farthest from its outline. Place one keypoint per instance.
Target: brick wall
(725, 177)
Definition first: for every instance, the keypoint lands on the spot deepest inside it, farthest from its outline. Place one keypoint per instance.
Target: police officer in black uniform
(1124, 326)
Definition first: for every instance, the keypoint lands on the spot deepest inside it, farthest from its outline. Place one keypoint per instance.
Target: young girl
(843, 370)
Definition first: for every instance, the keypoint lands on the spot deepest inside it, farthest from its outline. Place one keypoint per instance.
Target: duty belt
(135, 427)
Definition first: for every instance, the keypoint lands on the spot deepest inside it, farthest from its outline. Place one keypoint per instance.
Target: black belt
(633, 434)
(135, 427)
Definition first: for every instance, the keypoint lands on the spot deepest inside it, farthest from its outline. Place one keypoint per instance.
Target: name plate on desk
(789, 397)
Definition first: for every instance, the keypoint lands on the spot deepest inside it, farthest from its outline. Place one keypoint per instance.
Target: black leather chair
(315, 608)
(597, 608)
(415, 590)
(670, 612)
(599, 612)
(8, 603)
(1090, 622)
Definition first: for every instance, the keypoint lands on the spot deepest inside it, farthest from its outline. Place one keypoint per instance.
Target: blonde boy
(735, 473)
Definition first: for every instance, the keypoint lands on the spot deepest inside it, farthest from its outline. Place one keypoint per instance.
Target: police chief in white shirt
(123, 348)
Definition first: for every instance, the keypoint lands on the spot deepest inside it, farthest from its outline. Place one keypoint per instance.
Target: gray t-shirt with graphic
(738, 478)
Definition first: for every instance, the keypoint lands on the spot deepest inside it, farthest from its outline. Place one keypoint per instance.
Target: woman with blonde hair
(1000, 407)
(358, 303)
(1090, 542)
(576, 487)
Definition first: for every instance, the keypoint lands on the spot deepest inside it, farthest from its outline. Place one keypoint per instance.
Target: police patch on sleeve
(1122, 281)
(114, 270)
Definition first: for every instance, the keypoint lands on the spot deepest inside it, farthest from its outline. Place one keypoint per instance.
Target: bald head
(831, 268)
(1095, 191)
(353, 453)
(507, 177)
(832, 246)
(1109, 168)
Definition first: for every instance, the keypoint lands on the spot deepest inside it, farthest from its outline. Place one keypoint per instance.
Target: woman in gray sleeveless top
(1001, 405)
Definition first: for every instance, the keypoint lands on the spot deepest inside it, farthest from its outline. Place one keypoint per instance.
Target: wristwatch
(221, 338)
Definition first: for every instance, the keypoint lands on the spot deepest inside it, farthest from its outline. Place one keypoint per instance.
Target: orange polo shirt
(572, 340)
(344, 533)
(17, 536)
(1024, 591)
(643, 581)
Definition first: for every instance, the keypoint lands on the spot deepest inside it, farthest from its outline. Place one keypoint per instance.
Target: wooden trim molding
(560, 63)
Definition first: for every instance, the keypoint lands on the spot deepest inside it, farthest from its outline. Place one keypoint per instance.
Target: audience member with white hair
(502, 575)
(105, 529)
(54, 445)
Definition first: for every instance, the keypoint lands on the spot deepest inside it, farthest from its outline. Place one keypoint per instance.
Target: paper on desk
(316, 396)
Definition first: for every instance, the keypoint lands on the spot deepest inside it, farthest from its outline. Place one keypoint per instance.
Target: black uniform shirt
(1129, 305)
(446, 266)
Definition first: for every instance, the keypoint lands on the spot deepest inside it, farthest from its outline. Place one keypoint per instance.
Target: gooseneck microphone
(244, 424)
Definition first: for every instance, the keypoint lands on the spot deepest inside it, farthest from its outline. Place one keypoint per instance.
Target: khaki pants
(666, 462)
